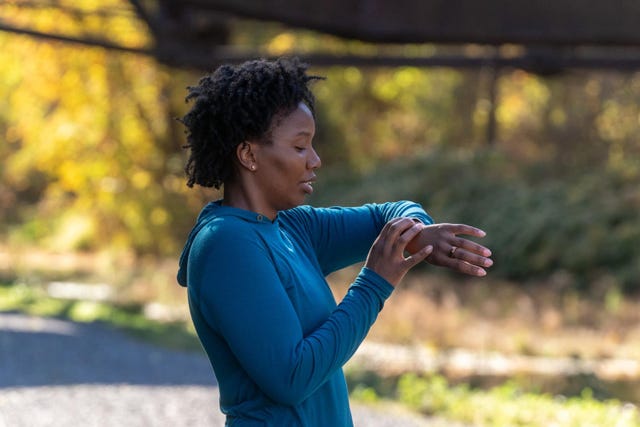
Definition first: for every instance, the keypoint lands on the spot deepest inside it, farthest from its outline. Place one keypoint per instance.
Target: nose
(313, 162)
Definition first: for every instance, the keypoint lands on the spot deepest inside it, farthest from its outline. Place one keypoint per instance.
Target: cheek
(288, 166)
(279, 164)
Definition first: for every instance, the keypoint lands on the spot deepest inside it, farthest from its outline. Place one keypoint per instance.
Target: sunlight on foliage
(365, 394)
(507, 405)
(93, 154)
(585, 226)
(92, 159)
(382, 114)
(117, 15)
(522, 100)
(281, 44)
(92, 131)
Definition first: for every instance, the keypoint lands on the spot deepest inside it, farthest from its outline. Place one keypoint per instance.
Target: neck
(246, 197)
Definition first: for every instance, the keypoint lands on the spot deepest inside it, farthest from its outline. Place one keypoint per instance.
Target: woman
(255, 263)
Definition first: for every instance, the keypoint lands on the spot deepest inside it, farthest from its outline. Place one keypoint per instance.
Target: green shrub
(538, 220)
(507, 405)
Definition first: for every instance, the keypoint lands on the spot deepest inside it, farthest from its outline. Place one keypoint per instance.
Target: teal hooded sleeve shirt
(266, 316)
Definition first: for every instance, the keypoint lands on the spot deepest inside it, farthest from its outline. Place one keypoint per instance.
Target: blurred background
(521, 119)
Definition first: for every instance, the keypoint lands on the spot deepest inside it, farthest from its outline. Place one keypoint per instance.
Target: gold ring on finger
(452, 251)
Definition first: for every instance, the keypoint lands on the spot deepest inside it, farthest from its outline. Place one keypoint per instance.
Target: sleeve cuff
(421, 217)
(377, 283)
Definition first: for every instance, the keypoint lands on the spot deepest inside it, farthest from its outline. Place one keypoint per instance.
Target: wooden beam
(183, 58)
(558, 22)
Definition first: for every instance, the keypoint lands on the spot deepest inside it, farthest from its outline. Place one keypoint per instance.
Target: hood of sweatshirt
(206, 216)
(210, 212)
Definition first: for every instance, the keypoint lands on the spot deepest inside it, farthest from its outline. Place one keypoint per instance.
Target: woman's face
(286, 167)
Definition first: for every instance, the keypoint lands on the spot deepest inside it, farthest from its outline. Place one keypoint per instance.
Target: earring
(253, 167)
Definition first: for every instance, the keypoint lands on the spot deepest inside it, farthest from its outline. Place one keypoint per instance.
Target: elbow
(286, 394)
(291, 388)
(292, 382)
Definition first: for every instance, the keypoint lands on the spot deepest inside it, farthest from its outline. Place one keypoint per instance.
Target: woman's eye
(299, 149)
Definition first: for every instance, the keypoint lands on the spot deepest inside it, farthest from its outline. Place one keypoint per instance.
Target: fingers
(460, 254)
(398, 232)
(386, 256)
(470, 252)
(470, 246)
(402, 232)
(408, 229)
(419, 256)
(465, 249)
(467, 257)
(465, 267)
(464, 229)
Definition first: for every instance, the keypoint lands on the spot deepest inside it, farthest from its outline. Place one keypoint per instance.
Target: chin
(296, 203)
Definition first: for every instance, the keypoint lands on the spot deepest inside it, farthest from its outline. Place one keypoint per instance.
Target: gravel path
(59, 373)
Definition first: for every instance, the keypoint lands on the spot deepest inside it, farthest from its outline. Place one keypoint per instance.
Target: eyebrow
(303, 133)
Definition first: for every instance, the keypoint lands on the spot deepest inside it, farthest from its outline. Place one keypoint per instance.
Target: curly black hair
(236, 104)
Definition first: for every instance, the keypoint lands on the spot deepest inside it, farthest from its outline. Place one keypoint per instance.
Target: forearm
(320, 354)
(343, 236)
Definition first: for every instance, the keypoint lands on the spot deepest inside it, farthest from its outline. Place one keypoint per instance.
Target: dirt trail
(60, 373)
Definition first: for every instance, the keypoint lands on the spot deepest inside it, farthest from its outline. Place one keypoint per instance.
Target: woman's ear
(246, 155)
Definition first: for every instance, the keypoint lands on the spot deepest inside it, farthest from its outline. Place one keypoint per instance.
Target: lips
(308, 185)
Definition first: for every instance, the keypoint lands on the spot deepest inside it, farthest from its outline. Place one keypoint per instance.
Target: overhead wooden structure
(554, 35)
(557, 22)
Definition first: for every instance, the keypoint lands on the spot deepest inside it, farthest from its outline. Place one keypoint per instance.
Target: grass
(507, 404)
(130, 318)
(436, 310)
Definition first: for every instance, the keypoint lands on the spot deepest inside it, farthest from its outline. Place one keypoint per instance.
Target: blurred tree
(92, 156)
(93, 152)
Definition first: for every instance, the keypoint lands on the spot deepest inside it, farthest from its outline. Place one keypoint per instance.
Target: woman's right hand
(386, 256)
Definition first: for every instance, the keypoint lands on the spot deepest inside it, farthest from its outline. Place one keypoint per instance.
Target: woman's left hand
(451, 251)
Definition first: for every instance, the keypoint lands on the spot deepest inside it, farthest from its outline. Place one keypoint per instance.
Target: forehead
(298, 121)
